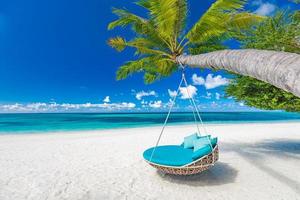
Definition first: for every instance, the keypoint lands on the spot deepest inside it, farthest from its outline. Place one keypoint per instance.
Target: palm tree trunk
(280, 69)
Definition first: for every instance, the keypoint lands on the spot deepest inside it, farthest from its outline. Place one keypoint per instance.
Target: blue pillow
(205, 150)
(201, 142)
(189, 141)
(214, 141)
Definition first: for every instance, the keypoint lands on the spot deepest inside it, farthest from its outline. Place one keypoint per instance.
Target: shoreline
(147, 126)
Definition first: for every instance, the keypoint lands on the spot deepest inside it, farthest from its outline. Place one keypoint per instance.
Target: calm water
(25, 123)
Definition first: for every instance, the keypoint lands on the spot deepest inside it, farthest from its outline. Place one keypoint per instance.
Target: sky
(54, 57)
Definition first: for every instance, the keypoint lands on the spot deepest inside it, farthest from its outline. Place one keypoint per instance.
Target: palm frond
(140, 26)
(144, 3)
(199, 49)
(142, 46)
(146, 46)
(243, 20)
(212, 23)
(127, 18)
(117, 43)
(165, 67)
(131, 67)
(153, 67)
(150, 77)
(181, 17)
(169, 17)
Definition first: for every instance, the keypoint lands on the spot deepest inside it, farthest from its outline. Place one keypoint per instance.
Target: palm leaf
(140, 26)
(146, 46)
(117, 43)
(212, 23)
(169, 17)
(243, 20)
(150, 77)
(130, 67)
(127, 18)
(202, 48)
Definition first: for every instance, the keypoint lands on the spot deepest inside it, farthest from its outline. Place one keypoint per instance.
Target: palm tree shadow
(256, 155)
(287, 148)
(221, 173)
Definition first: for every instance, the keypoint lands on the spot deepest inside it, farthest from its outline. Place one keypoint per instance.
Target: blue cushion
(205, 150)
(214, 141)
(189, 141)
(201, 142)
(171, 155)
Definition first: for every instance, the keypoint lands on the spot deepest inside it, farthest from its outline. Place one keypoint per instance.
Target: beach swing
(196, 154)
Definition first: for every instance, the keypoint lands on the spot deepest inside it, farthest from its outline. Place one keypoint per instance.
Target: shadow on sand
(219, 174)
(256, 155)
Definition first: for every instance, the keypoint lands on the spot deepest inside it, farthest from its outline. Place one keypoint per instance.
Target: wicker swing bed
(193, 166)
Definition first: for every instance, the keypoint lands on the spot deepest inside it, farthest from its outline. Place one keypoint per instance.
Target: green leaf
(150, 78)
(126, 18)
(213, 22)
(129, 68)
(275, 33)
(117, 43)
(167, 16)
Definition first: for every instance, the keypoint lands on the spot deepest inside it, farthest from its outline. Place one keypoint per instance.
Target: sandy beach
(257, 161)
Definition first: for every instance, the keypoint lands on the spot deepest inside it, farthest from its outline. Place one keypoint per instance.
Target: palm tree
(161, 42)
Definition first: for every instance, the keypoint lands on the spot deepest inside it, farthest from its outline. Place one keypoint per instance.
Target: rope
(166, 120)
(192, 101)
(195, 106)
(195, 119)
(191, 97)
(196, 123)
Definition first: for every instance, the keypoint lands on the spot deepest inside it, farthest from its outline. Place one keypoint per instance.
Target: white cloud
(106, 99)
(208, 95)
(210, 82)
(218, 95)
(198, 80)
(55, 107)
(264, 8)
(213, 82)
(172, 93)
(188, 92)
(142, 94)
(155, 104)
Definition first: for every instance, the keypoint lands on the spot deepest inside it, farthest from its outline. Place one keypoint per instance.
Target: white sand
(256, 162)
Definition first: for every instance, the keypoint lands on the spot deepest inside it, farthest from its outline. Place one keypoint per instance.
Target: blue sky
(54, 58)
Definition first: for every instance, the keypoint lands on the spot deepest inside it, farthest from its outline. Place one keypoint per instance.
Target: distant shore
(257, 161)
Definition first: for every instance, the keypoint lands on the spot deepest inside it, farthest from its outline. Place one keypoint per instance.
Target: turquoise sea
(38, 123)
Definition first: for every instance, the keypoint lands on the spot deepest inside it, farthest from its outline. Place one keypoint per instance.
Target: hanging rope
(191, 97)
(166, 120)
(195, 106)
(192, 102)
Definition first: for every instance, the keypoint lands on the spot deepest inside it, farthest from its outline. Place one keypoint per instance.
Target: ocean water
(41, 123)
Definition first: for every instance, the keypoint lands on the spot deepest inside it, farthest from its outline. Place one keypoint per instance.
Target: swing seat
(174, 155)
(175, 159)
(171, 155)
